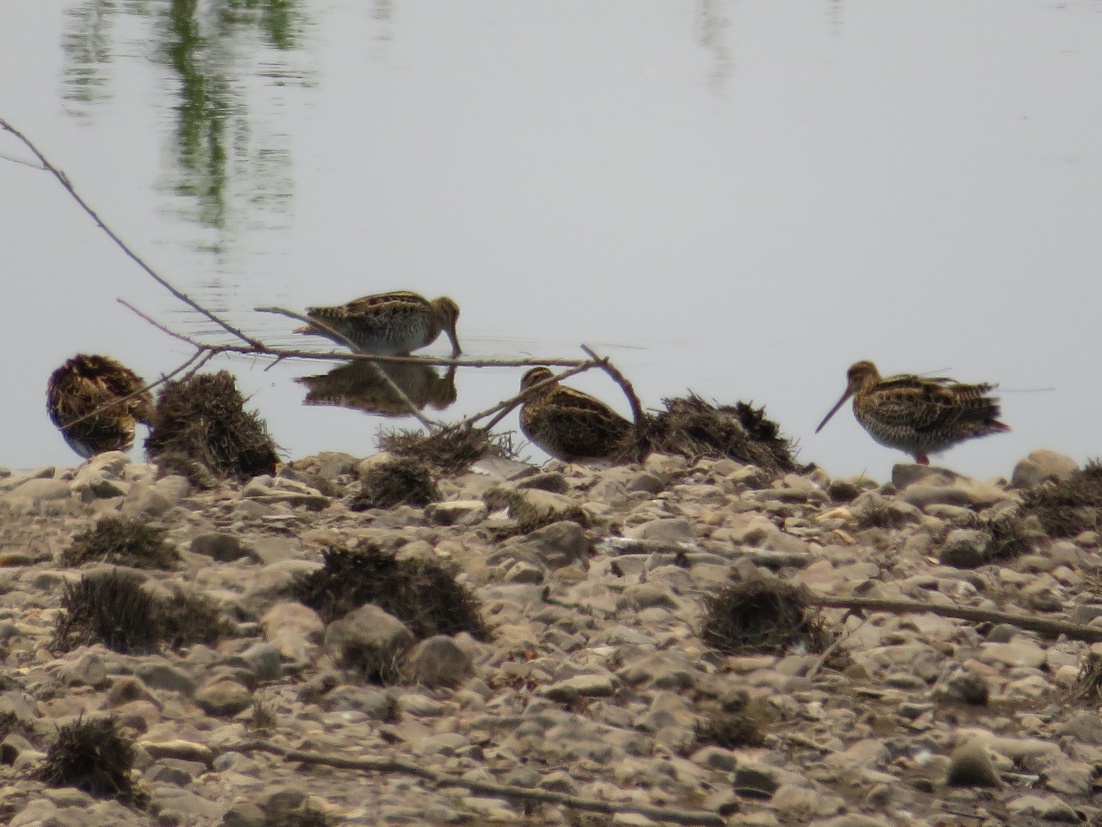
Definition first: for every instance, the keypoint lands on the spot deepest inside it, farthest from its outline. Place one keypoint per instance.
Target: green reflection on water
(224, 164)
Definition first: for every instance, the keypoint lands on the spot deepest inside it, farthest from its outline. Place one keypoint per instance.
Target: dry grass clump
(422, 594)
(203, 418)
(449, 453)
(112, 608)
(403, 480)
(1070, 506)
(122, 541)
(92, 755)
(762, 615)
(879, 514)
(693, 428)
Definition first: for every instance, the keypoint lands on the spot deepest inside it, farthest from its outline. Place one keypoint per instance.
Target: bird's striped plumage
(568, 424)
(86, 383)
(919, 415)
(388, 324)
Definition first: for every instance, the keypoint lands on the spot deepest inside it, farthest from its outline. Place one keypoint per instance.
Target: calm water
(740, 198)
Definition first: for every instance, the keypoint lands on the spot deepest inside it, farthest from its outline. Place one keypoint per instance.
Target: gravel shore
(595, 684)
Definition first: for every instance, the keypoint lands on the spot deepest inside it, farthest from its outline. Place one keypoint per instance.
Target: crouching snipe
(918, 415)
(84, 385)
(568, 424)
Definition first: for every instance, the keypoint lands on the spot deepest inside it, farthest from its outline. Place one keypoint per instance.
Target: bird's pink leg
(922, 459)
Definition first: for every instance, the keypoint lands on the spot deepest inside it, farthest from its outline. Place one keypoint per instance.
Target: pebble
(595, 680)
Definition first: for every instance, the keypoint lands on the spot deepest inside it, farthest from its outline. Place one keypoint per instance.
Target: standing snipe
(389, 324)
(86, 383)
(568, 424)
(917, 415)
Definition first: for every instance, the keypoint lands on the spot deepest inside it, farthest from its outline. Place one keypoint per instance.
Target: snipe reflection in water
(357, 385)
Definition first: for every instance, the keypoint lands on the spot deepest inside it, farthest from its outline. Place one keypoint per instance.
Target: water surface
(740, 198)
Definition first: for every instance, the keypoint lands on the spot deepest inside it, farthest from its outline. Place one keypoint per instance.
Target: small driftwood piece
(1075, 631)
(622, 546)
(672, 816)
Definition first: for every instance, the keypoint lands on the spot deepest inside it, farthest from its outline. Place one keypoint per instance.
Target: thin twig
(1076, 631)
(673, 816)
(641, 446)
(64, 179)
(504, 407)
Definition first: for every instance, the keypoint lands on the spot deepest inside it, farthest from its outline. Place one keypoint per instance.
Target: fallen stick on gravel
(1076, 631)
(759, 557)
(690, 817)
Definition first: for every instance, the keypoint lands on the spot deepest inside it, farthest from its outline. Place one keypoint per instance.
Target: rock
(1042, 466)
(158, 674)
(755, 780)
(675, 530)
(1047, 808)
(244, 814)
(965, 548)
(220, 546)
(558, 544)
(644, 596)
(580, 686)
(551, 481)
(970, 766)
(40, 489)
(367, 638)
(1085, 727)
(438, 661)
(456, 512)
(1016, 653)
(223, 698)
(180, 749)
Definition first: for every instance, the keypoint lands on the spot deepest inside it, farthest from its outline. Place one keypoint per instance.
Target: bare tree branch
(64, 179)
(660, 814)
(1076, 631)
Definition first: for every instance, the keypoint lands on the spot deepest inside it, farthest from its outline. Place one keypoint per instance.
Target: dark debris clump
(422, 594)
(1070, 506)
(122, 541)
(762, 615)
(403, 480)
(693, 428)
(451, 452)
(203, 419)
(112, 608)
(92, 755)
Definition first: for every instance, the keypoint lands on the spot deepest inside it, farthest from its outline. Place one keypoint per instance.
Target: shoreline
(595, 681)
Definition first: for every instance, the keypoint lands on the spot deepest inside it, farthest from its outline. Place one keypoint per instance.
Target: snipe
(86, 383)
(388, 324)
(918, 415)
(568, 424)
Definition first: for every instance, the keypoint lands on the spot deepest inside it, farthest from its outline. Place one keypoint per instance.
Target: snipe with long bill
(919, 415)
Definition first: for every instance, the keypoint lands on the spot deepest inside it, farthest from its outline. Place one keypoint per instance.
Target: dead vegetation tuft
(693, 428)
(403, 480)
(422, 594)
(122, 541)
(203, 420)
(762, 615)
(1070, 506)
(94, 756)
(112, 608)
(450, 452)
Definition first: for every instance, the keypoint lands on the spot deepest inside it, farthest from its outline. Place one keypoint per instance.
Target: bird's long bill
(455, 343)
(834, 410)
